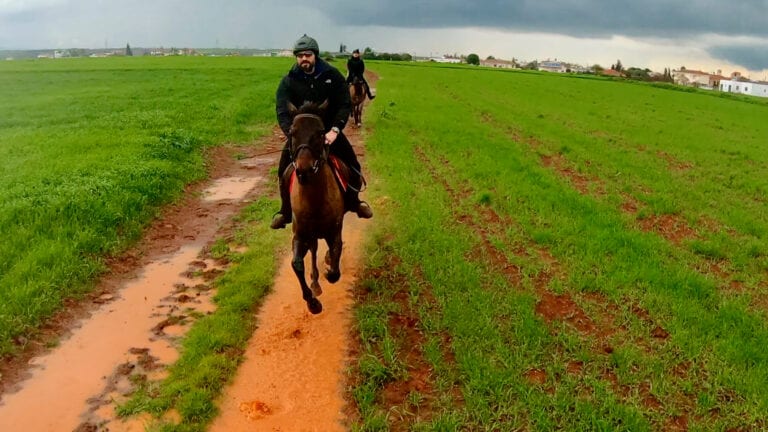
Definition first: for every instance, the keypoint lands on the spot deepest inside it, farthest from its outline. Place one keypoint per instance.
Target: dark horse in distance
(357, 95)
(317, 200)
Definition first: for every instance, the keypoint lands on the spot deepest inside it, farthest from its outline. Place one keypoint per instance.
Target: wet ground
(293, 375)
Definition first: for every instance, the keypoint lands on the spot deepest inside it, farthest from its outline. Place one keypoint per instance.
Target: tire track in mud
(128, 328)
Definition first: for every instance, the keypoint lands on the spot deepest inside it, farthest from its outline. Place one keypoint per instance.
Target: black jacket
(355, 66)
(326, 83)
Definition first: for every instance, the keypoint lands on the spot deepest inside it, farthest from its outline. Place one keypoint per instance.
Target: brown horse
(357, 94)
(317, 201)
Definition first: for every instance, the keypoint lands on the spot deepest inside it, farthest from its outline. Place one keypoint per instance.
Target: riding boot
(361, 208)
(368, 90)
(352, 199)
(284, 216)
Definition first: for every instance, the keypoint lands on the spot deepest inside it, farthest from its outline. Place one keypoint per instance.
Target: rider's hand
(330, 137)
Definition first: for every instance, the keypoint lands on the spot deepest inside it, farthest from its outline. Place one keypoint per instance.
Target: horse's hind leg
(299, 252)
(315, 286)
(333, 258)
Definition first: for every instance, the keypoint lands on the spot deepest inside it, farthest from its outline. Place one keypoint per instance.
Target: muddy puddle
(136, 322)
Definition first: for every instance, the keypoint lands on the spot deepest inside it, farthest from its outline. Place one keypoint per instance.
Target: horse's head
(307, 139)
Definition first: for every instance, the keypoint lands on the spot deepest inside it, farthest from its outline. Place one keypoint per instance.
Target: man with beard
(313, 80)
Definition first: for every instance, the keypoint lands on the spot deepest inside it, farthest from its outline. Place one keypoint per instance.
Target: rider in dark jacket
(356, 67)
(313, 80)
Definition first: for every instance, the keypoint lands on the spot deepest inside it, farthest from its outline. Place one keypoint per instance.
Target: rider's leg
(283, 217)
(367, 89)
(344, 151)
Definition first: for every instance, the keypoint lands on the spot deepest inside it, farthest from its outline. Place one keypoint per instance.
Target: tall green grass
(91, 148)
(451, 143)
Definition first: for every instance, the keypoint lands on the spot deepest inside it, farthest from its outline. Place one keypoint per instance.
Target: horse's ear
(292, 110)
(323, 106)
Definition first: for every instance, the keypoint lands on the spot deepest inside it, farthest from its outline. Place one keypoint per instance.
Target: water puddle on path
(76, 371)
(230, 188)
(134, 329)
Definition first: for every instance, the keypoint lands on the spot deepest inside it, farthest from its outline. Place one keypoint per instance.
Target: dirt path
(292, 378)
(293, 375)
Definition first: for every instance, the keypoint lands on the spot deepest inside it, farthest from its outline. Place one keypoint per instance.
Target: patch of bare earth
(127, 330)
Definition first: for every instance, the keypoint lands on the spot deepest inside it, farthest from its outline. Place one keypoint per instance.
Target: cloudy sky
(698, 34)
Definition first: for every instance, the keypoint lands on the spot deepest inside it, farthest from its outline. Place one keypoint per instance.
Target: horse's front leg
(334, 257)
(299, 252)
(316, 289)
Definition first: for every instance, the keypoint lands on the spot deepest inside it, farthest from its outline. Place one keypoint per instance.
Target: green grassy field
(578, 254)
(89, 150)
(549, 252)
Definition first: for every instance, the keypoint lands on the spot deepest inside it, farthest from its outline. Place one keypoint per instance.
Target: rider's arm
(281, 105)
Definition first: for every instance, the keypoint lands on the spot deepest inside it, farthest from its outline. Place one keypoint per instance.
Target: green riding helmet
(306, 43)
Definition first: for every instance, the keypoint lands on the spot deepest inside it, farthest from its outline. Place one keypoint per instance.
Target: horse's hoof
(314, 306)
(333, 277)
(316, 289)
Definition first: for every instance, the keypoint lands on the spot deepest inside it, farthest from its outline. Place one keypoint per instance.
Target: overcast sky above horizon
(698, 34)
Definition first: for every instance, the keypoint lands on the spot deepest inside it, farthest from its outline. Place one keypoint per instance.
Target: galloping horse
(317, 201)
(357, 94)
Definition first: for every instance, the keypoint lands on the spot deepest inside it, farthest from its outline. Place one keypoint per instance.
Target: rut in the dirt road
(141, 307)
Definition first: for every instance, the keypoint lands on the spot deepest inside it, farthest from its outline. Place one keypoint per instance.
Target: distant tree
(128, 51)
(490, 57)
(342, 48)
(534, 65)
(638, 73)
(473, 59)
(618, 67)
(597, 69)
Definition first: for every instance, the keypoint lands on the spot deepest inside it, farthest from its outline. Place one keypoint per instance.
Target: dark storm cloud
(579, 18)
(753, 57)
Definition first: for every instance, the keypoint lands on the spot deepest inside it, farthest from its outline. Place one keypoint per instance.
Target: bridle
(319, 158)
